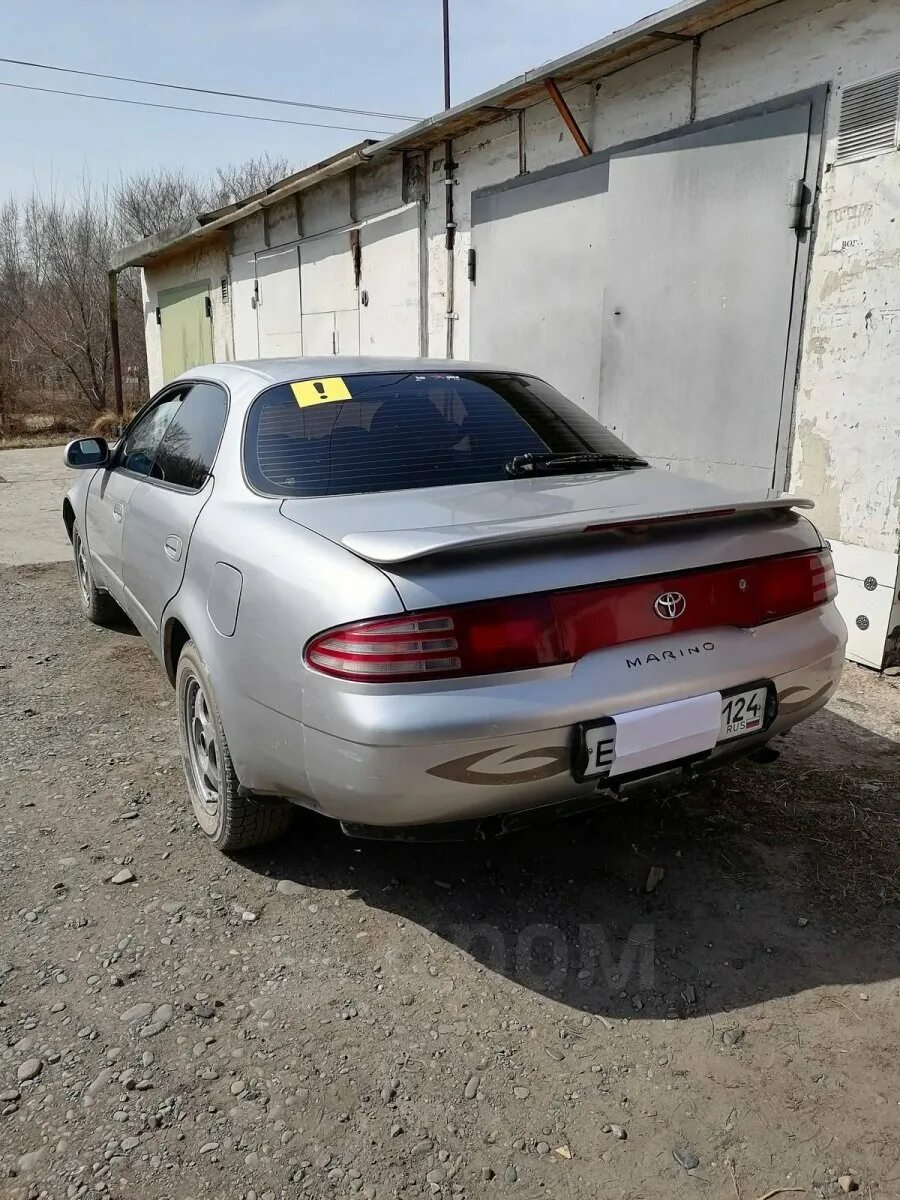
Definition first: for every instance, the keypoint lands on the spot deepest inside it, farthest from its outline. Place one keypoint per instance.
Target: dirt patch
(326, 1018)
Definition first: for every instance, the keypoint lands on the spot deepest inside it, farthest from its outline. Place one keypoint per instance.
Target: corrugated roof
(644, 39)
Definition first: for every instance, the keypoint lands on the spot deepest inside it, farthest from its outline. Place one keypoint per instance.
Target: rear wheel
(98, 606)
(230, 821)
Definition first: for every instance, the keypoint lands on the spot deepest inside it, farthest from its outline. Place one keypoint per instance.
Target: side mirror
(87, 453)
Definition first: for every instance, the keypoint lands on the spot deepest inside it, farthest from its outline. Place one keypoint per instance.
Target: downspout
(112, 280)
(449, 222)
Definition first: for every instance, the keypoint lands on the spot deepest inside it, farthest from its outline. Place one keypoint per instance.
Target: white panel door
(278, 302)
(389, 298)
(243, 306)
(328, 294)
(327, 281)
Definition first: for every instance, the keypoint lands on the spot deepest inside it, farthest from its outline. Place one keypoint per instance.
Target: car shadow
(758, 882)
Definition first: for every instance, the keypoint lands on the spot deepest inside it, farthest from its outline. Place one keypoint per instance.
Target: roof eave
(204, 225)
(646, 38)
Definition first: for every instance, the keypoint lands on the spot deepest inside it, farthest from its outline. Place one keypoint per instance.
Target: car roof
(287, 370)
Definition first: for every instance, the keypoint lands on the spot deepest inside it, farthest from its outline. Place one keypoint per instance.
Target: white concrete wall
(846, 451)
(206, 262)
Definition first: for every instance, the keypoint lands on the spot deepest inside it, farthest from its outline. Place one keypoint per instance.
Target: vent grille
(869, 118)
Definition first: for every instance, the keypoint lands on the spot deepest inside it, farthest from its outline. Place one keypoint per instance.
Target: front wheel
(230, 821)
(99, 607)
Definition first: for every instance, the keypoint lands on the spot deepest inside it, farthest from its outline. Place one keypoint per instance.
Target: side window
(142, 441)
(186, 452)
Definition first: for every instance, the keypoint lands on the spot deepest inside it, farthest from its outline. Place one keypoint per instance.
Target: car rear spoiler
(404, 545)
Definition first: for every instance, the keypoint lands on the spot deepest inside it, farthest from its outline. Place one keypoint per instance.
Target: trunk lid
(477, 541)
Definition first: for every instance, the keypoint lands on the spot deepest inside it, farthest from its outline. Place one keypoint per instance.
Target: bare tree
(155, 200)
(55, 347)
(58, 255)
(9, 218)
(238, 180)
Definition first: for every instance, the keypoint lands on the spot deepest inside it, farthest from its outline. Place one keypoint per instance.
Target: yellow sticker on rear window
(320, 391)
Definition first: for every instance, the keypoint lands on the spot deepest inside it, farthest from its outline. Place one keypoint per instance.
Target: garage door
(278, 302)
(658, 287)
(389, 284)
(185, 328)
(699, 284)
(537, 299)
(329, 302)
(243, 306)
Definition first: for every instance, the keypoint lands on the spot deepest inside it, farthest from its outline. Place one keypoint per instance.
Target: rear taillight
(785, 586)
(520, 632)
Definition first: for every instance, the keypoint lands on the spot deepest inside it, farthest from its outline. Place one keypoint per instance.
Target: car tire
(98, 606)
(230, 820)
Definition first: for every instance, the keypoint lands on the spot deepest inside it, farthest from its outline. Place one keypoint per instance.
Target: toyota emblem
(669, 605)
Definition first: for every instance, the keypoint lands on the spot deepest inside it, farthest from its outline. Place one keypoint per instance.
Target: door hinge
(208, 307)
(158, 315)
(472, 260)
(334, 341)
(801, 207)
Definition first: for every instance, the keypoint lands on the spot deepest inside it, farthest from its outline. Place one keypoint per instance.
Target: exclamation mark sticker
(319, 391)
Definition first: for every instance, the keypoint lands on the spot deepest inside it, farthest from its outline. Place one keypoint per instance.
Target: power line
(182, 87)
(209, 112)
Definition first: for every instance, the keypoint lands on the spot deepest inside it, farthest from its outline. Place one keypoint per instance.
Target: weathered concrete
(32, 486)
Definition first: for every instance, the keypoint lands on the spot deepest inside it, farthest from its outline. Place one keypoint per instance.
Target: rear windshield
(381, 432)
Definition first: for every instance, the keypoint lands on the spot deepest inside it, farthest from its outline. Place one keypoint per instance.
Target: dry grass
(107, 425)
(842, 831)
(31, 441)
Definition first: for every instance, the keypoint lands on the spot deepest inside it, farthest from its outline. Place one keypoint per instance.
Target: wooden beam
(566, 113)
(113, 300)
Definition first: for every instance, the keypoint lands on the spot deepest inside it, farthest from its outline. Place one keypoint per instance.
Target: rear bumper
(414, 755)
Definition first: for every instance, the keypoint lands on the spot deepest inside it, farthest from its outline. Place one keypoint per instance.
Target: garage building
(690, 227)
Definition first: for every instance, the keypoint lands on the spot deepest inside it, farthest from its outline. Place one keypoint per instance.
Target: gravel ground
(547, 1016)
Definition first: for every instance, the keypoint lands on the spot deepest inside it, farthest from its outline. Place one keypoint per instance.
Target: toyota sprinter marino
(410, 594)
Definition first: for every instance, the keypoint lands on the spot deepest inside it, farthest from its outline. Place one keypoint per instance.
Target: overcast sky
(371, 54)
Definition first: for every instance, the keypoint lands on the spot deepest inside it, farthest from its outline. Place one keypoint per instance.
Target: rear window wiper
(548, 464)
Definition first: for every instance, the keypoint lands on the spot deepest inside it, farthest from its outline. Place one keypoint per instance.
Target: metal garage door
(185, 328)
(660, 288)
(243, 305)
(389, 284)
(699, 285)
(330, 307)
(278, 302)
(537, 298)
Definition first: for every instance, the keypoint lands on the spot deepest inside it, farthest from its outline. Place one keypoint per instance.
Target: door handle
(119, 513)
(172, 547)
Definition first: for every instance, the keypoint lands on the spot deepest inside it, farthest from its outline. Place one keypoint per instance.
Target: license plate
(596, 752)
(742, 712)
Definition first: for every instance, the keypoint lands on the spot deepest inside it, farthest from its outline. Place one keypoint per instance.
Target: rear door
(166, 503)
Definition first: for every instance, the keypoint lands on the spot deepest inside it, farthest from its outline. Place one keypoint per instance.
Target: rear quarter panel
(294, 584)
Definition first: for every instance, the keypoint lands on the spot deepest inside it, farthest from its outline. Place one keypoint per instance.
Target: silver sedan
(415, 594)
